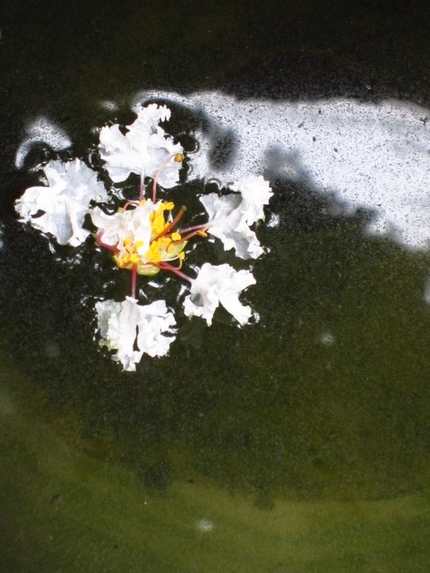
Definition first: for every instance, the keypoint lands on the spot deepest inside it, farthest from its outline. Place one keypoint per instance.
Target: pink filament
(154, 185)
(195, 228)
(133, 280)
(172, 224)
(168, 267)
(105, 245)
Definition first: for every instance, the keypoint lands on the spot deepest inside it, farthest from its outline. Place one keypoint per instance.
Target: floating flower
(217, 285)
(143, 149)
(145, 236)
(133, 330)
(60, 207)
(230, 216)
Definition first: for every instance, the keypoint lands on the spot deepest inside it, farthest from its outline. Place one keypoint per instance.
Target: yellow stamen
(123, 261)
(178, 158)
(176, 236)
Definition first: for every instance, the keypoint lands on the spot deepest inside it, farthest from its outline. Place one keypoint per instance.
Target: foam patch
(370, 156)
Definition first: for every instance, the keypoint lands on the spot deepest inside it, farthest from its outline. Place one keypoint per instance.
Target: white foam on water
(41, 130)
(370, 156)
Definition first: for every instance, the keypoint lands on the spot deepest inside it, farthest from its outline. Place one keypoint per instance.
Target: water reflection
(369, 156)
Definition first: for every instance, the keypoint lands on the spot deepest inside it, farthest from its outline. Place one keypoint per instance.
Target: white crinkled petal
(134, 224)
(217, 285)
(146, 125)
(228, 223)
(132, 329)
(60, 208)
(143, 149)
(256, 192)
(154, 320)
(118, 153)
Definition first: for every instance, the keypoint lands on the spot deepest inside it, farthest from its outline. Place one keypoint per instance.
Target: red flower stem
(105, 245)
(133, 280)
(167, 267)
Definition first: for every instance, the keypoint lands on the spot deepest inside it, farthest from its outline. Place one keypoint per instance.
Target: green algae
(67, 509)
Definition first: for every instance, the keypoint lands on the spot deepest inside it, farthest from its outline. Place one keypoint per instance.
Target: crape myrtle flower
(142, 240)
(147, 235)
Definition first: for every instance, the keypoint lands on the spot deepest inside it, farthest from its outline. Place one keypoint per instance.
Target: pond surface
(299, 443)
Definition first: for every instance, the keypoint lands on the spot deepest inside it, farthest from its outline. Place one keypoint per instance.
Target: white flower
(142, 150)
(64, 203)
(215, 285)
(133, 330)
(230, 216)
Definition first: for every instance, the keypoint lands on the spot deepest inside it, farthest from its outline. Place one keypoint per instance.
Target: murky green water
(298, 444)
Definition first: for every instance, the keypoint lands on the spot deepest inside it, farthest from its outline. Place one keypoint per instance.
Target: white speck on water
(109, 105)
(427, 291)
(205, 525)
(326, 338)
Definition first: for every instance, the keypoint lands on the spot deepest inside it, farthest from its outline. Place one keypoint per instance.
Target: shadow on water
(326, 396)
(309, 429)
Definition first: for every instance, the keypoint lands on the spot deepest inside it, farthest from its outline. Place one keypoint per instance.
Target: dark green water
(298, 444)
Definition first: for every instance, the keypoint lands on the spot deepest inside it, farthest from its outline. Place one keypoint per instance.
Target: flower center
(164, 243)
